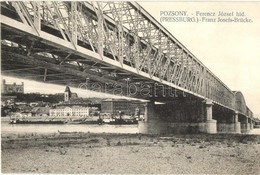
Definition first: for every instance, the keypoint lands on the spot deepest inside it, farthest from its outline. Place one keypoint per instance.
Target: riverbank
(79, 152)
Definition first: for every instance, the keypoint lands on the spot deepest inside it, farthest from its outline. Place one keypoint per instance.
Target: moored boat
(121, 121)
(19, 121)
(98, 121)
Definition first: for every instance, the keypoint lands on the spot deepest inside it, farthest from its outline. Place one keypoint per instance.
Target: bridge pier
(251, 123)
(229, 123)
(211, 125)
(182, 116)
(190, 115)
(152, 123)
(237, 125)
(245, 125)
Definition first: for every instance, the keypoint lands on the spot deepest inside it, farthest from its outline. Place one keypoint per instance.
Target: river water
(52, 128)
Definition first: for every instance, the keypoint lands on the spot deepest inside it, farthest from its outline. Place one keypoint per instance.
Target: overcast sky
(230, 50)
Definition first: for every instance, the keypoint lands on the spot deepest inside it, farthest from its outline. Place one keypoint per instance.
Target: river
(52, 128)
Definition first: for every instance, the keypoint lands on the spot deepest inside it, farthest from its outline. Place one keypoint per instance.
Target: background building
(127, 107)
(12, 88)
(68, 94)
(67, 111)
(71, 99)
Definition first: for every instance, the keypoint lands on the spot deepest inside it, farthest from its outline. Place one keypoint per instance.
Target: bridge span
(119, 48)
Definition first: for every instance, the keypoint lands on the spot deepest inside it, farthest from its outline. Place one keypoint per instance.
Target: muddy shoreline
(130, 153)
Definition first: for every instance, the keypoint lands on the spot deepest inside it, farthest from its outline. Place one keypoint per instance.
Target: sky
(230, 50)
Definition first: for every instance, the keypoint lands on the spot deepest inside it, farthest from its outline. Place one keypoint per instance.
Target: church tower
(67, 94)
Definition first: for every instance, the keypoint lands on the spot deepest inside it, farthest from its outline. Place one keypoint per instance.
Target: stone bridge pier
(245, 123)
(193, 115)
(153, 123)
(250, 121)
(227, 121)
(183, 115)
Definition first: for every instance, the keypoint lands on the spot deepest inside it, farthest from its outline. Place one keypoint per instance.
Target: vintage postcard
(130, 87)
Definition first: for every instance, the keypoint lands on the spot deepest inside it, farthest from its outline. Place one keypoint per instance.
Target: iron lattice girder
(125, 32)
(147, 34)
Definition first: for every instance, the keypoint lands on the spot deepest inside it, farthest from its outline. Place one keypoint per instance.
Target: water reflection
(51, 128)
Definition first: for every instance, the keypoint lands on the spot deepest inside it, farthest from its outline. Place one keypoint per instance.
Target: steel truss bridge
(110, 42)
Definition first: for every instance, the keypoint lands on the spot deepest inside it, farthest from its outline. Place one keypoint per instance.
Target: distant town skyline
(31, 86)
(36, 87)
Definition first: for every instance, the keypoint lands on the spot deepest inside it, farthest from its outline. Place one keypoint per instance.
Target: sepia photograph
(130, 87)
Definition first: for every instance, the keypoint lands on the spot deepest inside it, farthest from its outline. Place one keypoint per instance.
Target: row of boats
(100, 121)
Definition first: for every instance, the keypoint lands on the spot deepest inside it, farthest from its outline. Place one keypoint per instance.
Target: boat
(120, 121)
(89, 120)
(19, 121)
(98, 121)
